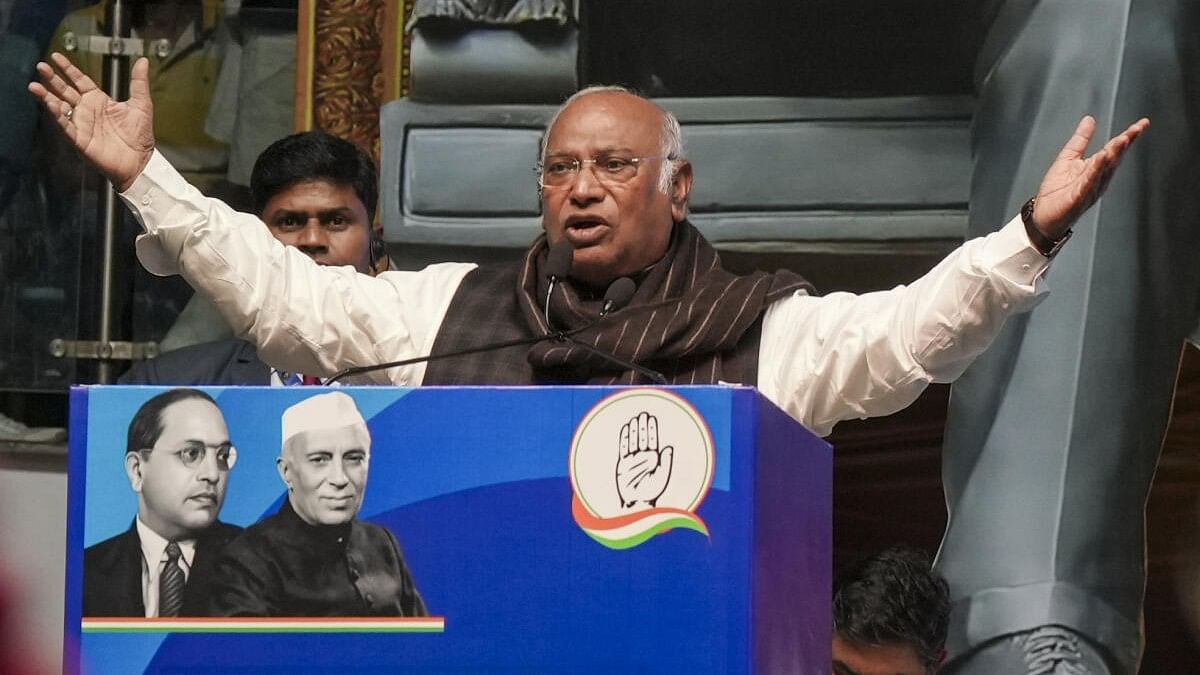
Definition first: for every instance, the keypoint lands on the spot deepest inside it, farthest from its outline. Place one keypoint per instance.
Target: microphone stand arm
(653, 375)
(359, 370)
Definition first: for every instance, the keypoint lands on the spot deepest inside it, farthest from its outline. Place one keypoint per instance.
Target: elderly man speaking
(614, 186)
(314, 557)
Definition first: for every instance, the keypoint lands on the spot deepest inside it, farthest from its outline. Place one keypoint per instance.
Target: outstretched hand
(1073, 183)
(117, 137)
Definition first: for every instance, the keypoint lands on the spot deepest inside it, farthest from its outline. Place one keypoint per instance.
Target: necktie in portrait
(170, 583)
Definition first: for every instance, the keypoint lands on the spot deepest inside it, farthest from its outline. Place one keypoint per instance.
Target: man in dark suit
(177, 459)
(314, 191)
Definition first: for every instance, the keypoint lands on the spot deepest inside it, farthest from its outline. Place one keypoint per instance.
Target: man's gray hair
(672, 136)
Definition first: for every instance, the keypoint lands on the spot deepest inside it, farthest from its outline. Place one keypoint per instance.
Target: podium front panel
(546, 529)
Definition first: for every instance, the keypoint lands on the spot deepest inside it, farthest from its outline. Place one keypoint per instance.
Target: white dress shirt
(822, 358)
(154, 547)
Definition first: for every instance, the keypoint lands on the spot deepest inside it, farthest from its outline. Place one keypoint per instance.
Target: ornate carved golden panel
(351, 58)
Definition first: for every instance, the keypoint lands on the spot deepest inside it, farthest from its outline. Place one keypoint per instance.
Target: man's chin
(337, 518)
(200, 522)
(201, 510)
(595, 273)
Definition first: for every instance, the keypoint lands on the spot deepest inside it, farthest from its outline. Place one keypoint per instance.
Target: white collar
(153, 546)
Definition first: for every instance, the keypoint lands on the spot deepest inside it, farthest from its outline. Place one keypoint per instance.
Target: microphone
(558, 266)
(619, 293)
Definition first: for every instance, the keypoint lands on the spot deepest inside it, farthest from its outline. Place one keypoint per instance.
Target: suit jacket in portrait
(112, 573)
(220, 363)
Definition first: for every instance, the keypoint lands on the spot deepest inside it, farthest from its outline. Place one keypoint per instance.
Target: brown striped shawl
(690, 319)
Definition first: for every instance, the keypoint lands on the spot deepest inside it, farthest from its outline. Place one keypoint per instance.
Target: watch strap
(1045, 245)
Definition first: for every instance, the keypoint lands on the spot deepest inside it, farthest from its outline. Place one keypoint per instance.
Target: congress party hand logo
(660, 451)
(642, 469)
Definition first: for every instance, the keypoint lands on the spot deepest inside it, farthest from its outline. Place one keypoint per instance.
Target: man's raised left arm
(843, 356)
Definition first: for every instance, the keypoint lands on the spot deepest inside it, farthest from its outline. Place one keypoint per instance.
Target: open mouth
(585, 232)
(204, 500)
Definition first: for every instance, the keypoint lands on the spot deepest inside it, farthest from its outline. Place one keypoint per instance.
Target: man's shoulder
(221, 362)
(510, 266)
(230, 346)
(256, 539)
(441, 276)
(113, 542)
(111, 551)
(112, 576)
(483, 286)
(221, 532)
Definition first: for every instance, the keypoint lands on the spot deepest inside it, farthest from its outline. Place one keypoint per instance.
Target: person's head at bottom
(325, 458)
(318, 192)
(177, 459)
(890, 616)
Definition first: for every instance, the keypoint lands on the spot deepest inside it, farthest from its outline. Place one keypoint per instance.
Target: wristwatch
(1045, 245)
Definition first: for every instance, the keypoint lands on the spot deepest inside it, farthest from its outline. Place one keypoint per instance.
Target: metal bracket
(104, 45)
(103, 351)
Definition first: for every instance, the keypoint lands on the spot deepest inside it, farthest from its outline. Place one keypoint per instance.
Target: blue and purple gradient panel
(473, 482)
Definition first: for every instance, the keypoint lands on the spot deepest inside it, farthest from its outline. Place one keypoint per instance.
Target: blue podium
(548, 530)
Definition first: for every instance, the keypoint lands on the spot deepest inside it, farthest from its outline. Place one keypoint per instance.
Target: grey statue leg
(1053, 435)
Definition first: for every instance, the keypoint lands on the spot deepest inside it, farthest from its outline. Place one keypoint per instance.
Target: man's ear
(133, 470)
(282, 467)
(681, 189)
(378, 253)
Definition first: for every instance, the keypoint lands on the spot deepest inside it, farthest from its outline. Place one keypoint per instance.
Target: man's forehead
(609, 120)
(190, 416)
(321, 190)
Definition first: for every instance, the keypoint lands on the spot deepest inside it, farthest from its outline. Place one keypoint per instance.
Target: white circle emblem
(641, 449)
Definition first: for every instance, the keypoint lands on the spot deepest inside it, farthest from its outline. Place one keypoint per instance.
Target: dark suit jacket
(219, 363)
(112, 572)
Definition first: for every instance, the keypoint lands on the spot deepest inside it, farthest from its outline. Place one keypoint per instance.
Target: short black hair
(313, 155)
(894, 597)
(146, 425)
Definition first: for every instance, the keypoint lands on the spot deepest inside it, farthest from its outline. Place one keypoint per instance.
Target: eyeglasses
(560, 170)
(192, 455)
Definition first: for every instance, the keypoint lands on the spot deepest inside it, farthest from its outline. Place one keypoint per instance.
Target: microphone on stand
(619, 293)
(558, 266)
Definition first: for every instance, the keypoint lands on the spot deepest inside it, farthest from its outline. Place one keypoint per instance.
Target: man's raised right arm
(301, 316)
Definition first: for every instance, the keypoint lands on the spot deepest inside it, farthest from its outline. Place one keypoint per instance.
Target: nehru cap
(323, 411)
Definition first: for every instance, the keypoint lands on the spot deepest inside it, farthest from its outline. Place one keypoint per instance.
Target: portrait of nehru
(314, 557)
(177, 459)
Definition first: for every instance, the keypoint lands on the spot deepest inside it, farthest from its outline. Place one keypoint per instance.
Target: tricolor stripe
(630, 530)
(434, 624)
